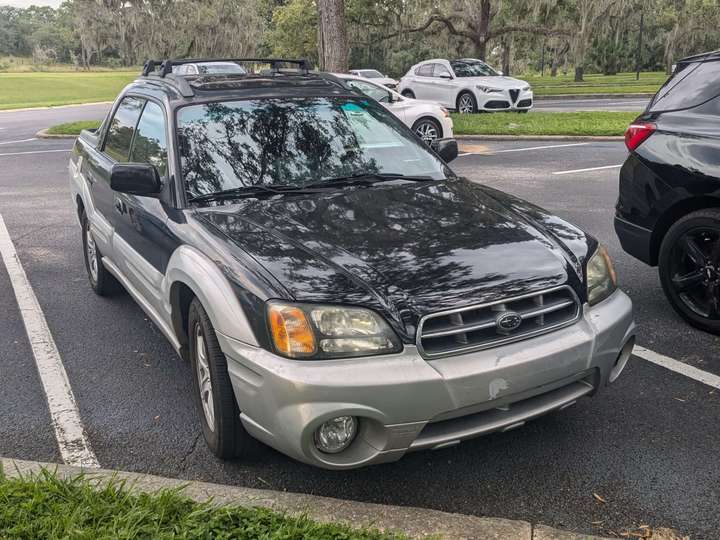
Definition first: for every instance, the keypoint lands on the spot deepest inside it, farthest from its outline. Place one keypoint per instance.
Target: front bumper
(405, 402)
(504, 101)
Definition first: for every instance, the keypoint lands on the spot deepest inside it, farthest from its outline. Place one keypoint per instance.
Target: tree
(332, 36)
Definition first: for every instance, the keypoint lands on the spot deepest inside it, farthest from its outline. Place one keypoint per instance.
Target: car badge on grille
(507, 321)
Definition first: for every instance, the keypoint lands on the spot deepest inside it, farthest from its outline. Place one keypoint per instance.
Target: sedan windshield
(472, 68)
(294, 143)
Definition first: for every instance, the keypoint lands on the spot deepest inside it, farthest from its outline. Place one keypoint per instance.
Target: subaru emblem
(507, 321)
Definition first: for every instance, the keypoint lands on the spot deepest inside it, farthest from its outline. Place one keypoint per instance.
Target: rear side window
(689, 87)
(425, 71)
(150, 144)
(122, 127)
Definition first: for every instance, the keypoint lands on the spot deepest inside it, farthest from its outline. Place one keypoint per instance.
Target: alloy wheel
(427, 131)
(466, 104)
(695, 271)
(203, 377)
(91, 253)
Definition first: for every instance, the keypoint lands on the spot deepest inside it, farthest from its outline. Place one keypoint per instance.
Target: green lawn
(543, 123)
(44, 506)
(18, 90)
(622, 83)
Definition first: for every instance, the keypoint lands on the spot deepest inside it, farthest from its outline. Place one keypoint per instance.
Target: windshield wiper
(248, 191)
(366, 179)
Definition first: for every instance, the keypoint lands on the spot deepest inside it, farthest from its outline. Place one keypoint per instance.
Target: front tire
(408, 93)
(689, 268)
(101, 280)
(213, 393)
(428, 129)
(466, 103)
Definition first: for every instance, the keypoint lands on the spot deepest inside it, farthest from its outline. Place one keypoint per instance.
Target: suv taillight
(637, 132)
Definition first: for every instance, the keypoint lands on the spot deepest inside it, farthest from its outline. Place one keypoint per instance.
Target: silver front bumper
(405, 402)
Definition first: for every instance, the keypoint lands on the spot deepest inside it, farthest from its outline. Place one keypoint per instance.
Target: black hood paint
(403, 248)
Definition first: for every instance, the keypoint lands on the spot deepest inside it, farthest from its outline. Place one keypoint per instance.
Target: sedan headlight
(601, 278)
(489, 89)
(324, 331)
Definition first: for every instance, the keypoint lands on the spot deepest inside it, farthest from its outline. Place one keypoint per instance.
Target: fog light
(336, 435)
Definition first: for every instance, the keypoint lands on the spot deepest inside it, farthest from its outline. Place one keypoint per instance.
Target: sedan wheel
(690, 268)
(466, 104)
(427, 129)
(203, 377)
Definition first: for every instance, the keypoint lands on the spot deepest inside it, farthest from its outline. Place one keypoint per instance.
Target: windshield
(371, 74)
(295, 142)
(472, 68)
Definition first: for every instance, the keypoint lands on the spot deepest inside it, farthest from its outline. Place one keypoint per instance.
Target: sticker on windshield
(352, 107)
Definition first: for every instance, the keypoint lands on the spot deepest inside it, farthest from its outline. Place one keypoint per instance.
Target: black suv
(668, 212)
(339, 292)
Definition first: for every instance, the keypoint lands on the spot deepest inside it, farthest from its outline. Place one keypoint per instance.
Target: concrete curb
(480, 138)
(416, 522)
(43, 134)
(594, 96)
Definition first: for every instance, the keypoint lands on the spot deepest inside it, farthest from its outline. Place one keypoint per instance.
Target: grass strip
(597, 123)
(44, 506)
(73, 128)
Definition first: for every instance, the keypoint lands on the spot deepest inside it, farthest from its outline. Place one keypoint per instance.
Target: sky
(28, 3)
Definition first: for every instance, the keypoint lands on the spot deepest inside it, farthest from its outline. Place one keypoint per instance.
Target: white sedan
(376, 76)
(467, 85)
(428, 120)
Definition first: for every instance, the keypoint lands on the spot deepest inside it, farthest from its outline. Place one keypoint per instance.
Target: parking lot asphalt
(647, 445)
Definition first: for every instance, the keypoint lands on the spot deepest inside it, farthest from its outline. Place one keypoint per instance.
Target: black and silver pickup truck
(339, 292)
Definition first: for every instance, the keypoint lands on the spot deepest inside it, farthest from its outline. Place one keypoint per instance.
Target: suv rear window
(689, 87)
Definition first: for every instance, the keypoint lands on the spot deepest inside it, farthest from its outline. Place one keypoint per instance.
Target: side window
(689, 87)
(122, 127)
(441, 71)
(425, 70)
(150, 144)
(370, 90)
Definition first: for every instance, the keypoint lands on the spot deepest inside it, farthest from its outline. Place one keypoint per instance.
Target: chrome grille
(482, 326)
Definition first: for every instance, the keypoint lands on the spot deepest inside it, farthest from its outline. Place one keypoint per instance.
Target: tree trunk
(579, 71)
(332, 37)
(506, 56)
(483, 29)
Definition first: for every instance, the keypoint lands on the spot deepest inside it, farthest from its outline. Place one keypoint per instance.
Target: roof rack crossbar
(167, 64)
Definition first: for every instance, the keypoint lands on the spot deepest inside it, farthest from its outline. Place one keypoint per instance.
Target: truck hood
(405, 249)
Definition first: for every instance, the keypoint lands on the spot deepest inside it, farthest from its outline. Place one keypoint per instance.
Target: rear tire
(689, 268)
(466, 103)
(408, 93)
(101, 280)
(428, 129)
(213, 393)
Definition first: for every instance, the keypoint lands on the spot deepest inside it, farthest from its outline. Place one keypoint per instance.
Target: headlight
(323, 331)
(526, 89)
(489, 90)
(601, 278)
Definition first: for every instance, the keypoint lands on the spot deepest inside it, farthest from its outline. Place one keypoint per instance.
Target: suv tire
(428, 129)
(213, 394)
(466, 103)
(408, 93)
(691, 250)
(101, 280)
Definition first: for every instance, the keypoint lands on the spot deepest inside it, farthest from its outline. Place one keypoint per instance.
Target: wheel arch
(465, 90)
(434, 119)
(674, 213)
(190, 274)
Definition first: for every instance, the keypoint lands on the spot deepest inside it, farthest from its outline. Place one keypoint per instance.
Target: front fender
(192, 268)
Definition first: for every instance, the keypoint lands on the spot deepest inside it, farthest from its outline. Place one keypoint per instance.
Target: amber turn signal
(291, 331)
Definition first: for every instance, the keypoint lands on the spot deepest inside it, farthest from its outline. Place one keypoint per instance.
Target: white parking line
(19, 141)
(678, 367)
(539, 147)
(34, 152)
(585, 170)
(70, 433)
